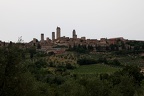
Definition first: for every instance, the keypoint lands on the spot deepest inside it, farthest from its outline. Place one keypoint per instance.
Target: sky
(93, 19)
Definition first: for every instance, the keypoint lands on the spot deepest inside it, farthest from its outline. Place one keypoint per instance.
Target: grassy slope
(95, 69)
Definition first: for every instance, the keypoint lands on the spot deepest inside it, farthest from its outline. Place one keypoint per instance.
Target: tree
(14, 79)
(32, 51)
(116, 62)
(134, 71)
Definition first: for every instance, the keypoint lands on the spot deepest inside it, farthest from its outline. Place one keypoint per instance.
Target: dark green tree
(14, 79)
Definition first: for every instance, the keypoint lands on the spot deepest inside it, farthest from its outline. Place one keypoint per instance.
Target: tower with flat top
(58, 31)
(53, 36)
(74, 34)
(42, 37)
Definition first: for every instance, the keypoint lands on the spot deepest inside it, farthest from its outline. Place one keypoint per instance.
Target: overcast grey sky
(94, 19)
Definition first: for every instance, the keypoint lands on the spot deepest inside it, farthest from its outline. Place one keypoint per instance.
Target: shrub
(116, 62)
(86, 61)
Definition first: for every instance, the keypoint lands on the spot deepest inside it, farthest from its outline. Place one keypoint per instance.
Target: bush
(102, 60)
(41, 64)
(116, 62)
(86, 61)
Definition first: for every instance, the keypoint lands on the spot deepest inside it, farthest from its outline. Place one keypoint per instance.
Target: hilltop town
(58, 43)
(64, 66)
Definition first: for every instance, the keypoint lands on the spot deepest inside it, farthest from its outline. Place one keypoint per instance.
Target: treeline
(81, 48)
(121, 48)
(101, 60)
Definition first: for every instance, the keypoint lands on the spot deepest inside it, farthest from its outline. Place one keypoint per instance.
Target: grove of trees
(24, 73)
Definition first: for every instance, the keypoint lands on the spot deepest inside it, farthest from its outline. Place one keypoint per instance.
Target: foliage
(86, 61)
(115, 62)
(95, 69)
(81, 48)
(49, 75)
(102, 60)
(14, 80)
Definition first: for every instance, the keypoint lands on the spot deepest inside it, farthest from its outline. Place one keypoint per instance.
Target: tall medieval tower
(74, 34)
(53, 36)
(58, 31)
(42, 37)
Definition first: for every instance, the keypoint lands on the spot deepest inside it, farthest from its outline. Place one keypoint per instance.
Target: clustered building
(60, 43)
(57, 41)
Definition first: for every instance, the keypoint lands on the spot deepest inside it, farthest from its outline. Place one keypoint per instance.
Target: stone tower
(74, 34)
(58, 32)
(42, 37)
(53, 36)
(34, 40)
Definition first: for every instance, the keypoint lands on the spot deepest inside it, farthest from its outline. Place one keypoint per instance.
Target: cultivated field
(95, 69)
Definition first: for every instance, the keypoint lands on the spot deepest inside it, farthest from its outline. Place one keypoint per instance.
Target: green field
(95, 69)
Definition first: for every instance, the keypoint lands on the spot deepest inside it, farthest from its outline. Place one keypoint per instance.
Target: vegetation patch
(95, 69)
